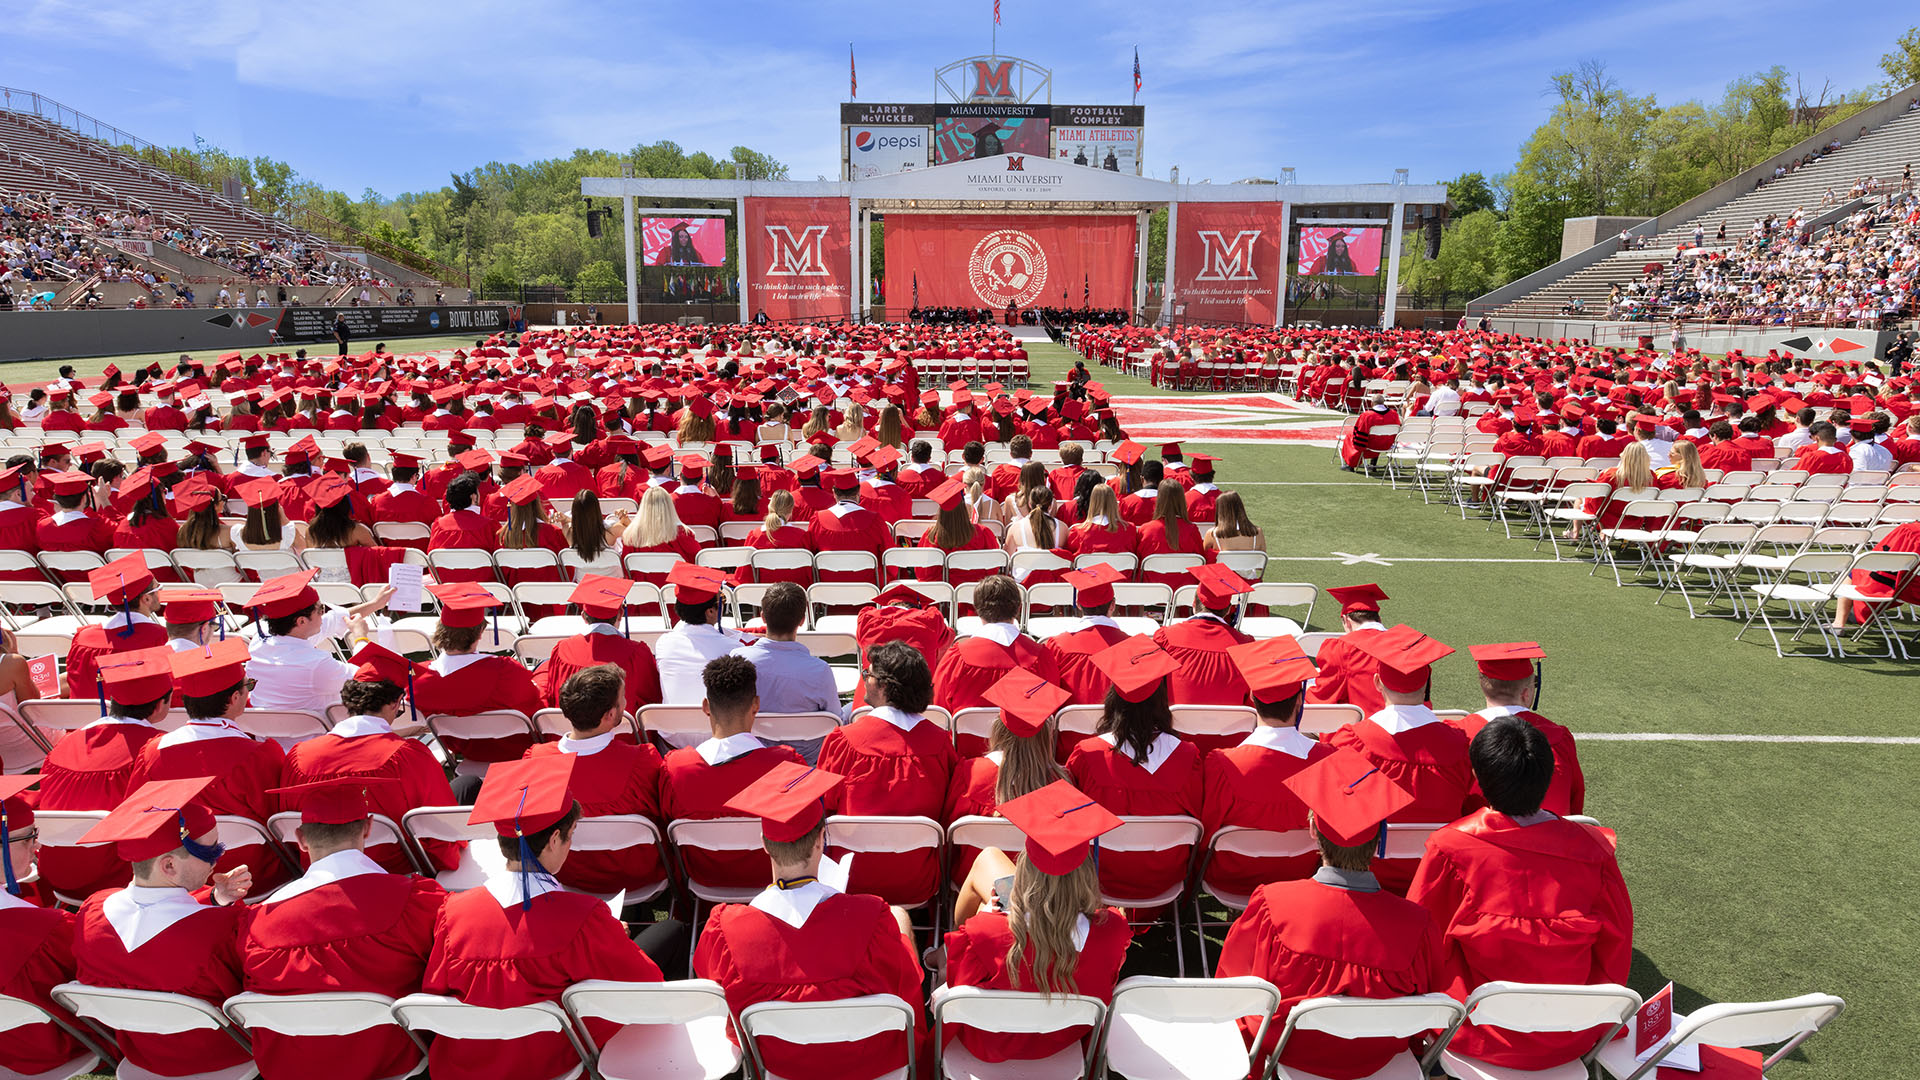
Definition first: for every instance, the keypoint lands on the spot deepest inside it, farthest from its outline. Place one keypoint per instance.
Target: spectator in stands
(794, 680)
(1523, 866)
(683, 652)
(1338, 932)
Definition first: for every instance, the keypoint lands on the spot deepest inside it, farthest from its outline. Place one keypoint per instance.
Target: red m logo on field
(1016, 163)
(1227, 260)
(797, 256)
(992, 80)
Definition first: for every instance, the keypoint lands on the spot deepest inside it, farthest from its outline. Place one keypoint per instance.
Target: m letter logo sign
(798, 258)
(992, 80)
(1227, 262)
(1016, 163)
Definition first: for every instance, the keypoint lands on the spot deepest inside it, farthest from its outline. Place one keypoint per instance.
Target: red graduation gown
(977, 956)
(926, 629)
(409, 505)
(370, 933)
(94, 642)
(1112, 779)
(36, 955)
(620, 778)
(492, 682)
(1567, 794)
(19, 531)
(1311, 939)
(1536, 903)
(1207, 675)
(583, 651)
(463, 529)
(89, 769)
(85, 533)
(1073, 654)
(244, 769)
(858, 529)
(1430, 761)
(971, 793)
(500, 957)
(849, 947)
(694, 790)
(1245, 786)
(981, 540)
(888, 499)
(198, 956)
(894, 772)
(1346, 677)
(421, 782)
(976, 663)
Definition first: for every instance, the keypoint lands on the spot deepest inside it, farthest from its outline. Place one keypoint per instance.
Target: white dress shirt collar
(355, 726)
(445, 664)
(905, 721)
(586, 747)
(1088, 622)
(505, 885)
(217, 727)
(793, 906)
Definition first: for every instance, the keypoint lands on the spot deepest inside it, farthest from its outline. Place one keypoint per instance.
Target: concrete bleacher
(1882, 153)
(39, 156)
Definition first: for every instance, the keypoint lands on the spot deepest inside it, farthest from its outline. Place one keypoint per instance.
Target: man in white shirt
(291, 666)
(1869, 450)
(1445, 400)
(682, 652)
(1801, 435)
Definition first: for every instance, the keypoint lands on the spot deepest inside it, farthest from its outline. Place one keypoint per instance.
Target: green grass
(1757, 870)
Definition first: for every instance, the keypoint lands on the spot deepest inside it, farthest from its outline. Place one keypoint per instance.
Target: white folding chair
(1713, 551)
(452, 1018)
(1273, 594)
(16, 1013)
(481, 855)
(494, 724)
(864, 563)
(1244, 843)
(820, 1023)
(782, 560)
(1655, 517)
(1162, 833)
(384, 832)
(670, 1029)
(1015, 1012)
(622, 832)
(1186, 1029)
(992, 561)
(678, 726)
(878, 834)
(1213, 721)
(826, 595)
(152, 1012)
(1531, 1008)
(1344, 1017)
(1785, 1023)
(290, 727)
(1325, 719)
(1806, 586)
(1893, 570)
(333, 1012)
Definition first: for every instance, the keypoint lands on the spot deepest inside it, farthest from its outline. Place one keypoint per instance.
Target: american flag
(853, 74)
(1136, 69)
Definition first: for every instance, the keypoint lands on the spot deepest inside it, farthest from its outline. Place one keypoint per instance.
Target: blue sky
(393, 96)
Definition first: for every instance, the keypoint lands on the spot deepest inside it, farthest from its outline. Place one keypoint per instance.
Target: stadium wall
(1713, 339)
(29, 335)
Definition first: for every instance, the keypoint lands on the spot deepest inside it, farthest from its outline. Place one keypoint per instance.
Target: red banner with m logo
(798, 256)
(1227, 263)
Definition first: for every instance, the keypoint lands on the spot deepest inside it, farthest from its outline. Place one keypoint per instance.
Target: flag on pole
(853, 74)
(1136, 69)
(996, 12)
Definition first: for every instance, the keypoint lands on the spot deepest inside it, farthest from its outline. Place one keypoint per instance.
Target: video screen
(1339, 251)
(683, 241)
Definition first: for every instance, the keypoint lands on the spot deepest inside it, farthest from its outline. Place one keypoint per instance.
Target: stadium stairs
(38, 155)
(1887, 148)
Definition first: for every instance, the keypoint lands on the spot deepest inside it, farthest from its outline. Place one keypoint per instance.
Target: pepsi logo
(863, 141)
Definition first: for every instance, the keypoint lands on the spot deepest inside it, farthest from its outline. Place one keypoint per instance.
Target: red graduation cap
(377, 663)
(285, 595)
(1349, 797)
(15, 812)
(1136, 666)
(193, 501)
(1171, 449)
(190, 604)
(1093, 585)
(121, 581)
(1218, 585)
(340, 800)
(560, 440)
(695, 584)
(1026, 701)
(948, 495)
(520, 798)
(1404, 653)
(1127, 452)
(212, 668)
(1509, 662)
(884, 458)
(1274, 669)
(1352, 598)
(146, 445)
(403, 459)
(137, 677)
(463, 603)
(658, 456)
(522, 490)
(155, 819)
(601, 597)
(303, 450)
(474, 460)
(69, 483)
(1061, 824)
(840, 479)
(91, 452)
(330, 490)
(259, 493)
(789, 800)
(903, 592)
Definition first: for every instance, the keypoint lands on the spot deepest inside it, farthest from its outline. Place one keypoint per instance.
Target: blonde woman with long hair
(1631, 479)
(1043, 931)
(695, 428)
(821, 420)
(1103, 530)
(854, 427)
(657, 528)
(1683, 468)
(777, 529)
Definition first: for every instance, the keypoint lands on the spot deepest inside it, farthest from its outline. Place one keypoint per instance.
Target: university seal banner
(799, 258)
(1227, 264)
(990, 261)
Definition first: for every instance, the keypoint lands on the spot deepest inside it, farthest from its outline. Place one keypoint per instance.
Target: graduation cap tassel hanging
(126, 608)
(6, 854)
(100, 688)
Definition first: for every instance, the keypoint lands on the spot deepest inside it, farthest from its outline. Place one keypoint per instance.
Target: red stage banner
(990, 260)
(799, 258)
(1227, 264)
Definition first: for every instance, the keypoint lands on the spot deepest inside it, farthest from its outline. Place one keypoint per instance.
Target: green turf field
(1757, 870)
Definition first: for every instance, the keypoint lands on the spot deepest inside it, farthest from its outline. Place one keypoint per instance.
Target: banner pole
(1393, 268)
(633, 271)
(740, 246)
(1280, 296)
